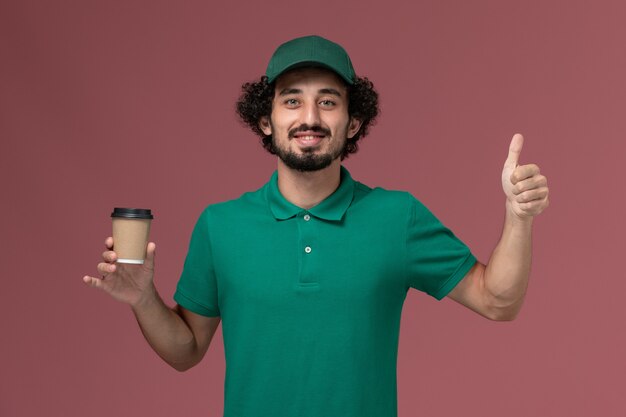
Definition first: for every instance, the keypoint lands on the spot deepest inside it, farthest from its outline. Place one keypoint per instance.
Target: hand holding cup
(127, 272)
(129, 283)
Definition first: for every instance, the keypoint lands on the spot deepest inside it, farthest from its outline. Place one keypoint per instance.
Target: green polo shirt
(310, 300)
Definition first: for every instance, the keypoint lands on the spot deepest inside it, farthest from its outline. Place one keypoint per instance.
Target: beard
(309, 160)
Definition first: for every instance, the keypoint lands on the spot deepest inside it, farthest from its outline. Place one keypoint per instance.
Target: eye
(291, 102)
(327, 103)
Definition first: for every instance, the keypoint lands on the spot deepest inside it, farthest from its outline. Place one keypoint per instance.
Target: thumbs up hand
(525, 188)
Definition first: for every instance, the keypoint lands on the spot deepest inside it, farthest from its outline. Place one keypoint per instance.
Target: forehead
(309, 78)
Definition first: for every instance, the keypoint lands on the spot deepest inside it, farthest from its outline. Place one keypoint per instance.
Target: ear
(264, 125)
(353, 127)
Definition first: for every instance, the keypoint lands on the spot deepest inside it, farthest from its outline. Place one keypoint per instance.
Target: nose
(311, 114)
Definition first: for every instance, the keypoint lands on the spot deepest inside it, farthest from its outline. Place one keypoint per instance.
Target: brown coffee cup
(131, 229)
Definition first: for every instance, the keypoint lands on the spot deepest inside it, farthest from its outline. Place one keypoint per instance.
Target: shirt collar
(332, 207)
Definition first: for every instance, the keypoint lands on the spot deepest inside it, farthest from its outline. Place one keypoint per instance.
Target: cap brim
(309, 63)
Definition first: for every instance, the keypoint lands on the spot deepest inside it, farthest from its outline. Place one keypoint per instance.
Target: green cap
(310, 51)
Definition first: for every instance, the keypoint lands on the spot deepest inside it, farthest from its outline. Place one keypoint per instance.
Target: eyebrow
(287, 91)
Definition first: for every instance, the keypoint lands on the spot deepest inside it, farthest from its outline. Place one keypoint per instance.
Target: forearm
(166, 332)
(507, 273)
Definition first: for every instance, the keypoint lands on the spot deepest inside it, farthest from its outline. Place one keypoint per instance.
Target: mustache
(305, 128)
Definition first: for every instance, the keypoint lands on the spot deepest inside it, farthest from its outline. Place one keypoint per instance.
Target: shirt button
(307, 249)
(307, 217)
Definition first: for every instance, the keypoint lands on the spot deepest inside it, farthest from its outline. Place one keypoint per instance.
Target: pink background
(130, 103)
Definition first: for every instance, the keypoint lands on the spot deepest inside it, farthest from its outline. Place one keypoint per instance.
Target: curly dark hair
(256, 98)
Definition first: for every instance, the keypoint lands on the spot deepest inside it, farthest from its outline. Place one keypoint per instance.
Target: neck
(307, 189)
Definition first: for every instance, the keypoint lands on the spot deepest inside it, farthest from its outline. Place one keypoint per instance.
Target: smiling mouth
(308, 139)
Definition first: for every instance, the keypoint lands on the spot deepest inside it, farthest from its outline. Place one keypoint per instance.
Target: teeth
(309, 137)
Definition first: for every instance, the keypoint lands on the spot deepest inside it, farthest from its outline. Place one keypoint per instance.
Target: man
(309, 273)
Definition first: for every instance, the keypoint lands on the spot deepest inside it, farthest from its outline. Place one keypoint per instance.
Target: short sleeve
(197, 288)
(436, 259)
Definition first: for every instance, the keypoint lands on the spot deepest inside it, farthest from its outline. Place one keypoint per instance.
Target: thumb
(515, 148)
(150, 252)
